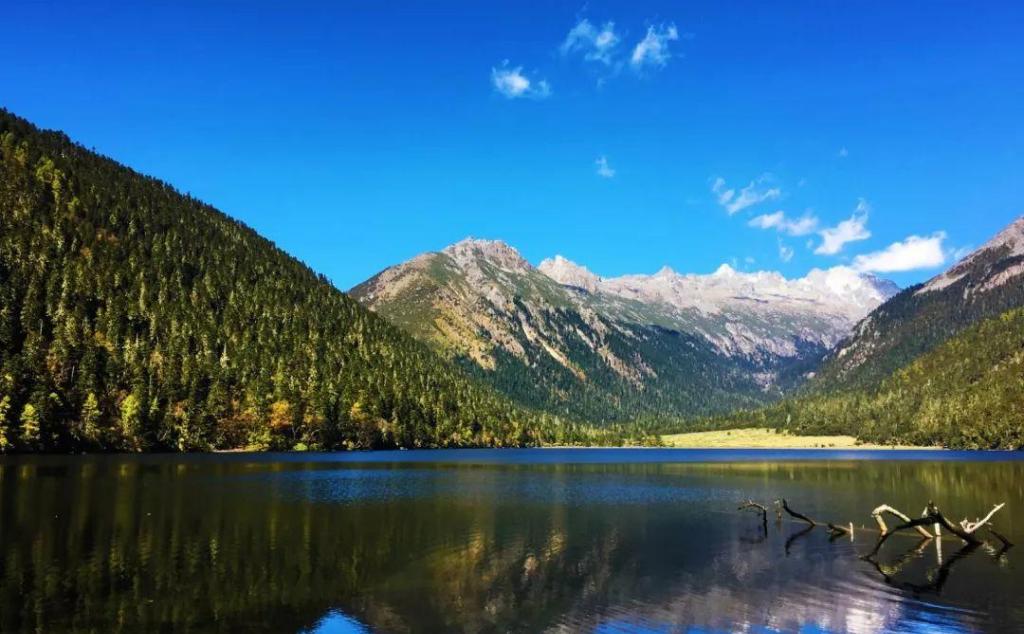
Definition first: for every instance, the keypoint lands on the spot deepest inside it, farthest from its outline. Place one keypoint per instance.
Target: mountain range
(133, 317)
(940, 363)
(559, 337)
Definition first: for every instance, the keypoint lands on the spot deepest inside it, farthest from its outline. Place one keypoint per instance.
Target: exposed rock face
(728, 335)
(1006, 246)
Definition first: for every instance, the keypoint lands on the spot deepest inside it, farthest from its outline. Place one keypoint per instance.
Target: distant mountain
(983, 285)
(133, 317)
(964, 393)
(561, 338)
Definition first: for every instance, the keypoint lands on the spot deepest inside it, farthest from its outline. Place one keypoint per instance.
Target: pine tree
(5, 436)
(29, 426)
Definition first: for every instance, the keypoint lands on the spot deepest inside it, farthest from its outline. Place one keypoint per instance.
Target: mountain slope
(967, 392)
(134, 317)
(984, 284)
(560, 338)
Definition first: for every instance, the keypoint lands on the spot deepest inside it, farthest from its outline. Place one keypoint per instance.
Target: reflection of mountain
(277, 546)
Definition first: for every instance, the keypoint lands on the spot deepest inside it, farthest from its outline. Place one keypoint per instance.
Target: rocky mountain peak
(468, 251)
(1008, 243)
(568, 273)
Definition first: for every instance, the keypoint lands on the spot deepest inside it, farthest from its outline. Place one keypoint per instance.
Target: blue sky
(356, 135)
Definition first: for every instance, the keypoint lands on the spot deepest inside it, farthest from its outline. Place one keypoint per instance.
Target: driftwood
(835, 530)
(932, 515)
(966, 530)
(885, 508)
(754, 506)
(799, 516)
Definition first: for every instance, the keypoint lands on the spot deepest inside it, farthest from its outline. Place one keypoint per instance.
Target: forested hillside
(983, 285)
(966, 393)
(133, 317)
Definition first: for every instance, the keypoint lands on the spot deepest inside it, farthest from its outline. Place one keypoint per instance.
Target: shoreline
(760, 438)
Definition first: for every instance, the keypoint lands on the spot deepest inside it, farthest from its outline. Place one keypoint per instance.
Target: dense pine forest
(967, 393)
(133, 317)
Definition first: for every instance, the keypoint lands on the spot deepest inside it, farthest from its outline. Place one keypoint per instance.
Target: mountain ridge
(135, 318)
(980, 286)
(481, 301)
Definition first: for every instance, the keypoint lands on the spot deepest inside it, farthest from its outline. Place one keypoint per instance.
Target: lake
(597, 540)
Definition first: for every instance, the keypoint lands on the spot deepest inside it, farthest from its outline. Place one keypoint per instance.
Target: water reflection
(246, 543)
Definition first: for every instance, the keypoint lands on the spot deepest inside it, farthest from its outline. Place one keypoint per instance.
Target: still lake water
(617, 540)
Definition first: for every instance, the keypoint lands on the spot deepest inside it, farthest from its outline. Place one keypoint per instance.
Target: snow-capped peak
(724, 271)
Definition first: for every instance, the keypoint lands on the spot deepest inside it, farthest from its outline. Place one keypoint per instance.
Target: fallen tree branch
(970, 527)
(799, 516)
(754, 506)
(885, 508)
(932, 516)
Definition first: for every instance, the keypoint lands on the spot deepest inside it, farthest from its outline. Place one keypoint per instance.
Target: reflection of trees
(112, 544)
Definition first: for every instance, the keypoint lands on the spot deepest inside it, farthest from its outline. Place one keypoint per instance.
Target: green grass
(761, 438)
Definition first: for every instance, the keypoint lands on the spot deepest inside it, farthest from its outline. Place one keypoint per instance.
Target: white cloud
(914, 253)
(785, 253)
(604, 170)
(595, 44)
(778, 221)
(653, 49)
(513, 84)
(833, 239)
(751, 195)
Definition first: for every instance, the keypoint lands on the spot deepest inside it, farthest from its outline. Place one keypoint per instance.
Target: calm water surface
(495, 541)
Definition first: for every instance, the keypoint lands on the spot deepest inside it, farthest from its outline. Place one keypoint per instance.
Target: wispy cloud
(843, 152)
(652, 50)
(595, 44)
(604, 170)
(514, 84)
(916, 252)
(833, 239)
(785, 253)
(802, 226)
(754, 193)
(960, 253)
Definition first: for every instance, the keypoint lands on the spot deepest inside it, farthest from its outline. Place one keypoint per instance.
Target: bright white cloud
(653, 49)
(604, 170)
(754, 193)
(780, 222)
(595, 44)
(513, 84)
(914, 253)
(833, 239)
(785, 253)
